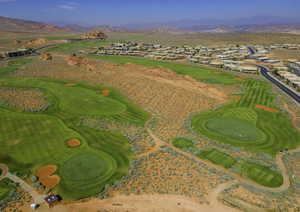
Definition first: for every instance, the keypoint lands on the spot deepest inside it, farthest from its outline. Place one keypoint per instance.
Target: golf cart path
(279, 163)
(37, 198)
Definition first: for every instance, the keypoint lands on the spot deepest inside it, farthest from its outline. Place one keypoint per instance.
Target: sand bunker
(105, 92)
(46, 177)
(70, 84)
(239, 79)
(262, 107)
(73, 143)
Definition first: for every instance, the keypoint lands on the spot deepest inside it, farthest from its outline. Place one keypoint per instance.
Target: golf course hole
(73, 143)
(234, 128)
(87, 171)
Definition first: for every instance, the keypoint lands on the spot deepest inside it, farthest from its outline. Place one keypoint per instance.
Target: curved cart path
(37, 198)
(279, 163)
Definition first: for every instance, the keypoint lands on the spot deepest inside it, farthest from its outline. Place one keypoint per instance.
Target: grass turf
(200, 73)
(13, 65)
(258, 173)
(241, 124)
(182, 143)
(76, 46)
(30, 140)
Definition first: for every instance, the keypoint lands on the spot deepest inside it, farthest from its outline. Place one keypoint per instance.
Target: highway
(265, 72)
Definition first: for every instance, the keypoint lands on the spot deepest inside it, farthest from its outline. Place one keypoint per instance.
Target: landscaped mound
(95, 34)
(46, 177)
(73, 143)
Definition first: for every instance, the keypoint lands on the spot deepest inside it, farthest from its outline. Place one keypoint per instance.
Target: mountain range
(253, 24)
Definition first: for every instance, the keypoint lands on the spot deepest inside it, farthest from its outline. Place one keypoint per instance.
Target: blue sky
(118, 12)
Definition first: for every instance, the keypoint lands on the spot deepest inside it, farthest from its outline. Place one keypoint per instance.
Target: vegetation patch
(218, 158)
(258, 173)
(14, 65)
(200, 73)
(76, 46)
(242, 124)
(182, 143)
(30, 141)
(23, 99)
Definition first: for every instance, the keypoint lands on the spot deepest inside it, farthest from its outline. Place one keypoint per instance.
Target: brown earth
(46, 177)
(26, 99)
(239, 79)
(105, 92)
(73, 143)
(94, 34)
(70, 84)
(265, 108)
(46, 56)
(74, 60)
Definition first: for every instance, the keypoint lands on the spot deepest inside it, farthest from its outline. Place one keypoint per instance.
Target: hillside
(12, 25)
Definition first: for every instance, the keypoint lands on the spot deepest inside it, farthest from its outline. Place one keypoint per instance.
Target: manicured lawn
(182, 143)
(260, 174)
(5, 189)
(13, 65)
(241, 124)
(253, 171)
(218, 158)
(234, 128)
(199, 73)
(76, 46)
(31, 140)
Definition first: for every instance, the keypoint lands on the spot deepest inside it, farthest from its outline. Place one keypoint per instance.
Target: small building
(19, 53)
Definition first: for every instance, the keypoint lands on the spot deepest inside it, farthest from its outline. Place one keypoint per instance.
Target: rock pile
(95, 34)
(46, 56)
(74, 60)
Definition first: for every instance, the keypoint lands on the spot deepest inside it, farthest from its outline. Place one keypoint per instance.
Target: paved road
(283, 87)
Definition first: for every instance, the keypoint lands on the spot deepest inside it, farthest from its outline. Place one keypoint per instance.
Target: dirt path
(294, 116)
(38, 198)
(4, 170)
(279, 162)
(143, 203)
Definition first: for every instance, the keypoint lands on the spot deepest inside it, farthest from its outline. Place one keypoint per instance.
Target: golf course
(253, 122)
(33, 140)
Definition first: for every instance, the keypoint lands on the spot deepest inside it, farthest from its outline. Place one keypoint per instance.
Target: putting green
(87, 170)
(235, 128)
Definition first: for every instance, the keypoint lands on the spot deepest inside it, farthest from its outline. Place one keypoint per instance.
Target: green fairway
(31, 140)
(241, 124)
(182, 143)
(13, 65)
(200, 73)
(253, 171)
(218, 158)
(76, 46)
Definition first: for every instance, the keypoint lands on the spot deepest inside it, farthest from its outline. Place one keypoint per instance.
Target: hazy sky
(117, 12)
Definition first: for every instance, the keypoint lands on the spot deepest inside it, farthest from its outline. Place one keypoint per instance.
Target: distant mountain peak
(13, 24)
